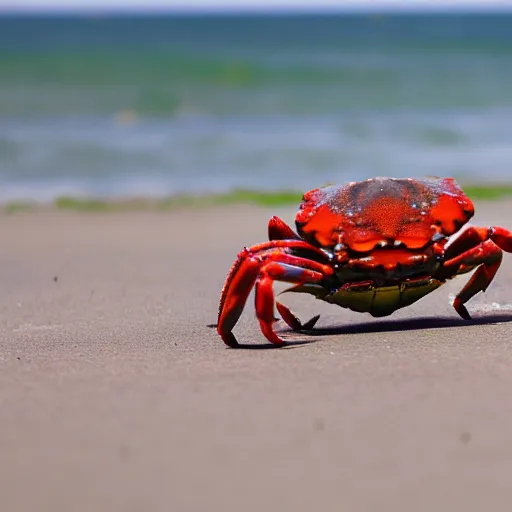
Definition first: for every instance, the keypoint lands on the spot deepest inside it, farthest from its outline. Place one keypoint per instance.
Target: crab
(372, 246)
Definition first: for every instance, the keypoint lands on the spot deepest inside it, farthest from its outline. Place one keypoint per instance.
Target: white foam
(483, 307)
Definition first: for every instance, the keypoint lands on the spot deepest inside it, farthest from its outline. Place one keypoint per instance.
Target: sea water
(155, 106)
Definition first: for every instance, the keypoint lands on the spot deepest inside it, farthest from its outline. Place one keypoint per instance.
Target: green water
(172, 105)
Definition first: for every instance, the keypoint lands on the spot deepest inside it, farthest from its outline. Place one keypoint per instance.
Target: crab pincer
(259, 266)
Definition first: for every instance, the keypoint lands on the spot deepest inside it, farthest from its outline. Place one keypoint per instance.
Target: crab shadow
(295, 339)
(410, 324)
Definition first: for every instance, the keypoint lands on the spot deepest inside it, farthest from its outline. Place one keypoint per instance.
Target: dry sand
(115, 395)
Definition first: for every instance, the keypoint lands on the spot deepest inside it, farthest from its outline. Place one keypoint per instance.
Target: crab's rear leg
(488, 255)
(476, 247)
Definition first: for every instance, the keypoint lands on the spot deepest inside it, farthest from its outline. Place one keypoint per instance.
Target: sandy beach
(116, 395)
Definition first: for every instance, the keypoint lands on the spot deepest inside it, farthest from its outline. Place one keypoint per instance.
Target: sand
(115, 395)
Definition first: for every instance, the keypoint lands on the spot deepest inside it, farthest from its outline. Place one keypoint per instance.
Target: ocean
(155, 106)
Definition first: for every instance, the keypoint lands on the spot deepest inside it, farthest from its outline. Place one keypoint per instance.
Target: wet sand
(115, 395)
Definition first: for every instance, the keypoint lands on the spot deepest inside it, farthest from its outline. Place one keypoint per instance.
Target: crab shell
(362, 216)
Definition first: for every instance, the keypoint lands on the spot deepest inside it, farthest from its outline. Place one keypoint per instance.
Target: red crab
(372, 246)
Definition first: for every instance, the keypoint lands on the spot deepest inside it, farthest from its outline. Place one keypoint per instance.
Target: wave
(147, 106)
(102, 157)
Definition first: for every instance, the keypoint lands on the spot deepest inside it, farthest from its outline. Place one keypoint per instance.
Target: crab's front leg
(260, 266)
(475, 247)
(279, 230)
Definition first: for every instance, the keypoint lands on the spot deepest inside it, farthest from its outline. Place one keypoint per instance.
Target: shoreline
(200, 201)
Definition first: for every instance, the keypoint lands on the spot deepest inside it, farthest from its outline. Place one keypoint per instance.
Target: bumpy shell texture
(361, 215)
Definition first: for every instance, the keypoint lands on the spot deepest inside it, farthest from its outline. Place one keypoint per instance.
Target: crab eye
(339, 247)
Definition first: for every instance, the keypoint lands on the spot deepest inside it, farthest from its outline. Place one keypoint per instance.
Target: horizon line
(255, 10)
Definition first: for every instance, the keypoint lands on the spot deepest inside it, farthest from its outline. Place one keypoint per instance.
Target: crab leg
(479, 281)
(293, 321)
(474, 236)
(279, 230)
(254, 265)
(264, 294)
(476, 247)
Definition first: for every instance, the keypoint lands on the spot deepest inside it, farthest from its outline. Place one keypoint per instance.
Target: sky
(266, 5)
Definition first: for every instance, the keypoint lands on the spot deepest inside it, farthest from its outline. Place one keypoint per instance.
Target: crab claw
(259, 266)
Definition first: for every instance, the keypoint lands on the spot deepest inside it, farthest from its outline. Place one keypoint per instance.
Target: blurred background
(161, 98)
